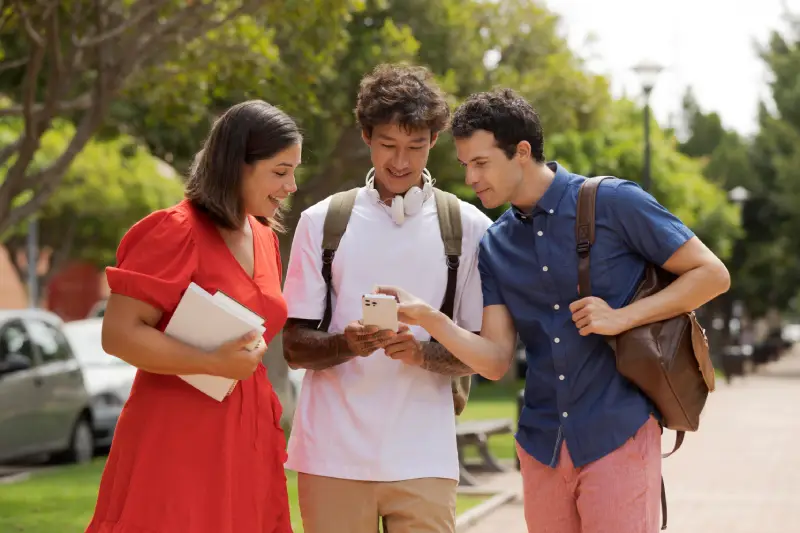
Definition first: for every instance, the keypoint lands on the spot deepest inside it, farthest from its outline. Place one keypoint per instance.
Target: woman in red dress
(181, 462)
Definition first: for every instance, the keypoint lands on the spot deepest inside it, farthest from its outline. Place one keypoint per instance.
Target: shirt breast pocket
(607, 262)
(602, 275)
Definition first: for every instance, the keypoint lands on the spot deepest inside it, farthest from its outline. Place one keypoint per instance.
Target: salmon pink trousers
(619, 493)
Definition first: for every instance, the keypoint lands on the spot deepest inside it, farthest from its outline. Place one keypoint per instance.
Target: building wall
(12, 291)
(72, 292)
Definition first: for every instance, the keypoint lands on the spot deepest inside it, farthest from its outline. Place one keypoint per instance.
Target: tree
(705, 130)
(110, 185)
(764, 267)
(529, 55)
(615, 148)
(77, 56)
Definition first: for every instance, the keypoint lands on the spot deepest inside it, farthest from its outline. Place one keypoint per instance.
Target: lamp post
(33, 262)
(648, 72)
(739, 195)
(733, 325)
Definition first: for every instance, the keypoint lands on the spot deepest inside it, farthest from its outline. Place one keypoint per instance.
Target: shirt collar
(552, 196)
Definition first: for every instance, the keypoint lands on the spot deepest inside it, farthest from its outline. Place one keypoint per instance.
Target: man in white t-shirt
(374, 429)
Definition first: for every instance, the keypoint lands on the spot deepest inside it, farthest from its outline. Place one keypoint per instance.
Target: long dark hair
(245, 133)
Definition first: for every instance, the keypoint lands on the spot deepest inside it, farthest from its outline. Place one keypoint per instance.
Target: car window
(50, 341)
(14, 340)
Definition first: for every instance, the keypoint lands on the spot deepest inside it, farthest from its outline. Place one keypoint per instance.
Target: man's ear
(366, 137)
(434, 138)
(523, 150)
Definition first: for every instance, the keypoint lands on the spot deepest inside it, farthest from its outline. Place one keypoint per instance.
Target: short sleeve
(470, 308)
(156, 260)
(304, 288)
(469, 313)
(489, 285)
(645, 225)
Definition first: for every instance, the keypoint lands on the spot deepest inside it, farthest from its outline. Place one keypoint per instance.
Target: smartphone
(379, 310)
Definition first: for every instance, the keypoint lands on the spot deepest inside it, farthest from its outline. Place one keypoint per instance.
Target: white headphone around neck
(408, 204)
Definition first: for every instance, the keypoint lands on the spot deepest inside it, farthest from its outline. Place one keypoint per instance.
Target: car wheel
(81, 446)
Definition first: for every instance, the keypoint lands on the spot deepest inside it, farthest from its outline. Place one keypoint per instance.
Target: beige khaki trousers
(331, 505)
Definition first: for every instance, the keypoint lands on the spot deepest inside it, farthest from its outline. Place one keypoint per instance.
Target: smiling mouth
(403, 174)
(276, 200)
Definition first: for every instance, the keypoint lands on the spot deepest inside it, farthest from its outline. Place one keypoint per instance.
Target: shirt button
(539, 233)
(545, 268)
(565, 414)
(551, 211)
(561, 377)
(556, 307)
(556, 340)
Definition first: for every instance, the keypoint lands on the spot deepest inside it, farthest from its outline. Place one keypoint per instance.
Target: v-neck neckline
(210, 226)
(254, 233)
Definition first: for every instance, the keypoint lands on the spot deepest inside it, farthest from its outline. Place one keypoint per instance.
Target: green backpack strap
(336, 219)
(448, 208)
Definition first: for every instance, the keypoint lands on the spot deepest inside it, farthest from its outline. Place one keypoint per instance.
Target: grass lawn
(494, 400)
(62, 500)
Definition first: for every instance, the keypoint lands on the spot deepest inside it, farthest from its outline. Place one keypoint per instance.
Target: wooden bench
(476, 433)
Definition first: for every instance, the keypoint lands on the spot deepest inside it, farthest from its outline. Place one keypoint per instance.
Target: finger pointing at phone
(411, 309)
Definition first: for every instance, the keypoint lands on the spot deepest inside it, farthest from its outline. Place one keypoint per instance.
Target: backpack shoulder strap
(584, 231)
(336, 219)
(448, 209)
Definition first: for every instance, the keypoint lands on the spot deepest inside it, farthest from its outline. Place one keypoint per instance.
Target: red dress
(181, 462)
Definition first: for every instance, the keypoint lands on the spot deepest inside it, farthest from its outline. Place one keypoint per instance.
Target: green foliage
(616, 148)
(764, 265)
(111, 184)
(308, 57)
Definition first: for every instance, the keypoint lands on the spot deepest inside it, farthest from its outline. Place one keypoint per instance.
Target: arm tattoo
(436, 358)
(306, 347)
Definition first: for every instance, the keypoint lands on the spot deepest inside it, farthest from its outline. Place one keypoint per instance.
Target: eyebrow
(284, 164)
(475, 158)
(416, 140)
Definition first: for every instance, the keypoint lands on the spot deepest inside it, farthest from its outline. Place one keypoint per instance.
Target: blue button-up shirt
(529, 263)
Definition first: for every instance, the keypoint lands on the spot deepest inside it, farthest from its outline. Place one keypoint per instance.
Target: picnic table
(476, 433)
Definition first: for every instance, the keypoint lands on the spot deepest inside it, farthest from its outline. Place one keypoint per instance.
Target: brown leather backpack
(668, 360)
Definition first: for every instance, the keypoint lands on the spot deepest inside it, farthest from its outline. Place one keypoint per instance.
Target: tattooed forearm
(306, 347)
(436, 358)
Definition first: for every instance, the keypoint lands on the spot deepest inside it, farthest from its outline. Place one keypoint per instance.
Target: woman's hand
(233, 359)
(411, 309)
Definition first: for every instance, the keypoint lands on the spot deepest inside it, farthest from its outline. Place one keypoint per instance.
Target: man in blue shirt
(588, 440)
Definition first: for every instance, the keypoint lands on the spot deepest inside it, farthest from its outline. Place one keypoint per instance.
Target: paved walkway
(739, 474)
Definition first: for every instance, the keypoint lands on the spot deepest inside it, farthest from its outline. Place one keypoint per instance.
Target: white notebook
(206, 322)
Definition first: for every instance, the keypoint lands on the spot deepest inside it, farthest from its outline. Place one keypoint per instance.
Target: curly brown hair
(403, 94)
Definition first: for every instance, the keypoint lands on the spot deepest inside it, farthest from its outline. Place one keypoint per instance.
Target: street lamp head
(648, 72)
(739, 194)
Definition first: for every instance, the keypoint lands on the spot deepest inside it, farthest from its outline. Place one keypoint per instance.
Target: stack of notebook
(207, 321)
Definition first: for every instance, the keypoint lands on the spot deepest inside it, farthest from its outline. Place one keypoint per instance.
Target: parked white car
(108, 379)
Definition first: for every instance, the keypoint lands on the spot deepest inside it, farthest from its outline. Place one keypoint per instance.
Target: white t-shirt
(374, 418)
